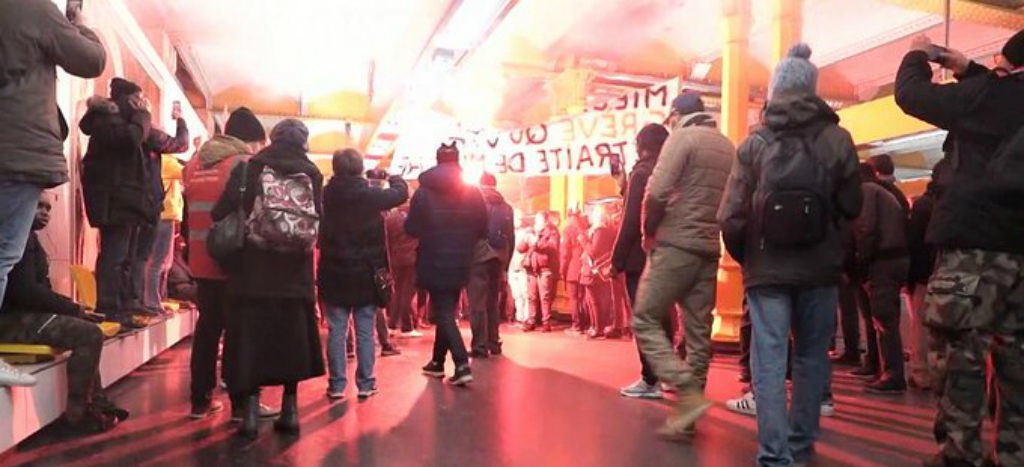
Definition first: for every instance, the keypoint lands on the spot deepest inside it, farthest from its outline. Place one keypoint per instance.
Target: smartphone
(74, 7)
(176, 108)
(615, 164)
(936, 53)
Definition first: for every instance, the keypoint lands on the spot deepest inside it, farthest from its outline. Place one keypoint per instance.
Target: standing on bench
(32, 313)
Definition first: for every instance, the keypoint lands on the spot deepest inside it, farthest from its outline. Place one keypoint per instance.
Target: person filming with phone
(975, 302)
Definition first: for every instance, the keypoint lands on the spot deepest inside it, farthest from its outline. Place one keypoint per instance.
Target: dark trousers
(400, 309)
(212, 301)
(145, 241)
(882, 312)
(486, 281)
(577, 296)
(632, 283)
(541, 288)
(448, 338)
(114, 265)
(848, 316)
(382, 328)
(82, 337)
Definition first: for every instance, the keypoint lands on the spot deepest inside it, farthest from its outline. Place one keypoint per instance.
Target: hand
(139, 102)
(955, 61)
(176, 112)
(921, 43)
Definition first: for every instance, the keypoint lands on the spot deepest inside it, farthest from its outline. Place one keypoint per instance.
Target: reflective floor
(552, 400)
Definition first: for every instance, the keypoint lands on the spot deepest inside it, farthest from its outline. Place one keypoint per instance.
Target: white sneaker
(368, 393)
(412, 334)
(11, 376)
(641, 390)
(828, 408)
(745, 405)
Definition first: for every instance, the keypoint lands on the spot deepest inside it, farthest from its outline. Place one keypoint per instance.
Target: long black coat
(259, 273)
(628, 255)
(353, 243)
(121, 169)
(448, 217)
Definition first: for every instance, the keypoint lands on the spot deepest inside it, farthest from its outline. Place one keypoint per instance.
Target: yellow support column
(735, 122)
(787, 24)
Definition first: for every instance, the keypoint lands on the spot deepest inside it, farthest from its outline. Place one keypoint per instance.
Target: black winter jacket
(820, 265)
(628, 255)
(259, 273)
(981, 207)
(448, 217)
(121, 169)
(922, 255)
(29, 289)
(353, 243)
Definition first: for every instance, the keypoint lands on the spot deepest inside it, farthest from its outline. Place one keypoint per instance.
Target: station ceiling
(500, 62)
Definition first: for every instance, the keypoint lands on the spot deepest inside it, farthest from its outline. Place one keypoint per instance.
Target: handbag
(227, 236)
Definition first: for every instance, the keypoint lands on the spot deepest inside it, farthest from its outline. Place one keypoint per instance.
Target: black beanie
(244, 125)
(447, 153)
(120, 87)
(1013, 51)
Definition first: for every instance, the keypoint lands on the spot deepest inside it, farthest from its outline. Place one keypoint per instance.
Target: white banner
(583, 144)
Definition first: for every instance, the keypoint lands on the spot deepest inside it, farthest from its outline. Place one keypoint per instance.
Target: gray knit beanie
(291, 131)
(795, 73)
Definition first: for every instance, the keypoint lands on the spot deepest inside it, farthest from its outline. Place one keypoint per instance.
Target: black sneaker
(865, 372)
(846, 359)
(463, 376)
(887, 386)
(479, 354)
(434, 369)
(205, 410)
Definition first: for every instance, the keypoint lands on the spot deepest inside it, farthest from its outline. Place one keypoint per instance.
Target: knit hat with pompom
(795, 73)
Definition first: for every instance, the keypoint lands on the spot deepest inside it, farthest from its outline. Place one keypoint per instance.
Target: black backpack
(793, 201)
(500, 226)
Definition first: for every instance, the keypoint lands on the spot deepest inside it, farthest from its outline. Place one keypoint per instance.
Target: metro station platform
(552, 400)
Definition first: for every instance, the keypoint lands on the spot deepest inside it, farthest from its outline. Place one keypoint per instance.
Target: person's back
(401, 246)
(35, 38)
(686, 189)
(794, 188)
(448, 218)
(880, 230)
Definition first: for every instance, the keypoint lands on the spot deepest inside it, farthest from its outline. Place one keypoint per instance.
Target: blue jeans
(337, 339)
(158, 265)
(810, 313)
(18, 202)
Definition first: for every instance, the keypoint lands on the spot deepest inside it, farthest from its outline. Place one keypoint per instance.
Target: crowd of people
(250, 230)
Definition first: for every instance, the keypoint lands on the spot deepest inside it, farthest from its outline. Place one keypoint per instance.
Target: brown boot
(690, 406)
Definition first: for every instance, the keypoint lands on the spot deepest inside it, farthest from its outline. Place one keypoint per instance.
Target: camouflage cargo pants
(82, 338)
(672, 277)
(975, 310)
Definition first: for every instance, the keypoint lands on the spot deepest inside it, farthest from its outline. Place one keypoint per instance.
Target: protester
(448, 218)
(540, 249)
(595, 271)
(402, 256)
(353, 267)
(973, 304)
(682, 235)
(518, 279)
(272, 333)
(32, 313)
(629, 256)
(36, 39)
(791, 280)
(570, 256)
(159, 262)
(922, 265)
(121, 186)
(882, 263)
(204, 178)
(487, 274)
(885, 170)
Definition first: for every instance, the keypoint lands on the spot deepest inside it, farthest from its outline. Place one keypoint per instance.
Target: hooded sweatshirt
(448, 217)
(816, 266)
